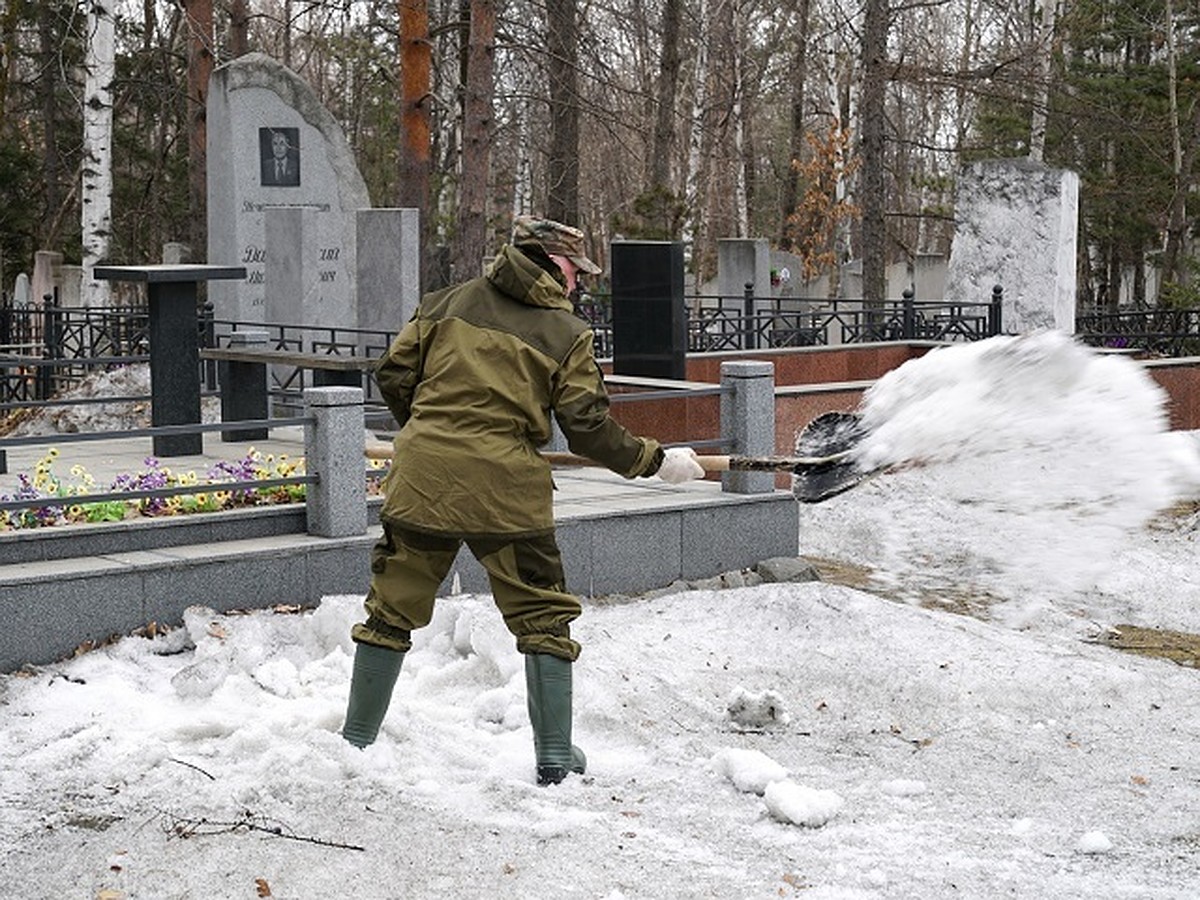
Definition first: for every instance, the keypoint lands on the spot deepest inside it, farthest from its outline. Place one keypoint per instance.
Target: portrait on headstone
(279, 150)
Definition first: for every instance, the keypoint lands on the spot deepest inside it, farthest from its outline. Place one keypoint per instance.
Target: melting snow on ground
(808, 740)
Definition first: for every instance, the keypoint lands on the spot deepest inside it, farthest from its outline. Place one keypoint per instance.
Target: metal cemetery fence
(287, 383)
(1164, 332)
(44, 350)
(716, 323)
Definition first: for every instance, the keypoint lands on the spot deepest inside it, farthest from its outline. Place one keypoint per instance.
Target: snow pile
(750, 771)
(753, 772)
(117, 415)
(778, 740)
(1094, 842)
(903, 787)
(801, 805)
(1036, 460)
(756, 709)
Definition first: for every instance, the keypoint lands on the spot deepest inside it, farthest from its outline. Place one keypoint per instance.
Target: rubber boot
(375, 673)
(548, 684)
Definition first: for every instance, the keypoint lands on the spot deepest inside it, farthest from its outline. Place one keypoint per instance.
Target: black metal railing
(46, 349)
(36, 500)
(1163, 332)
(287, 383)
(746, 322)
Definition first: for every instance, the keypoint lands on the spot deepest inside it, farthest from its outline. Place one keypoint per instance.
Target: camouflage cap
(555, 238)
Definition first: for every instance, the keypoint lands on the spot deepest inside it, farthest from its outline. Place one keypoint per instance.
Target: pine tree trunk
(471, 233)
(414, 156)
(200, 66)
(47, 88)
(663, 147)
(798, 76)
(239, 28)
(562, 202)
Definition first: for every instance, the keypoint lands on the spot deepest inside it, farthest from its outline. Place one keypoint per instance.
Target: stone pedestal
(244, 387)
(46, 265)
(742, 261)
(388, 267)
(174, 333)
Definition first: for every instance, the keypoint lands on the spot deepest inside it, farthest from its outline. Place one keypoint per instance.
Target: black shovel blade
(828, 435)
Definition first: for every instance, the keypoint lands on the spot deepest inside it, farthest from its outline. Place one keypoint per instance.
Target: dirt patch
(1178, 646)
(960, 601)
(833, 571)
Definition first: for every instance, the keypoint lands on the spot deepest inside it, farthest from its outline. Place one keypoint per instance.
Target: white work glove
(680, 466)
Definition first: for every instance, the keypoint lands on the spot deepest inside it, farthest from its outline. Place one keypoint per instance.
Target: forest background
(834, 128)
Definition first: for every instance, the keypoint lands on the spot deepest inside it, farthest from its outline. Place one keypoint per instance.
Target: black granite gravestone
(649, 321)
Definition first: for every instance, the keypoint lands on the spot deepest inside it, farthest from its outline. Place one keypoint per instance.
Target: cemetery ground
(952, 721)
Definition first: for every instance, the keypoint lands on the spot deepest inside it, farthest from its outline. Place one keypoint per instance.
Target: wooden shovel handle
(707, 463)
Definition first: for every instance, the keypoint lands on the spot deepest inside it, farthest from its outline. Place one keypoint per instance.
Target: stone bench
(242, 375)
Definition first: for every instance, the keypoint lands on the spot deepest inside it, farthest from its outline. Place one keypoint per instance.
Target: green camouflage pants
(526, 577)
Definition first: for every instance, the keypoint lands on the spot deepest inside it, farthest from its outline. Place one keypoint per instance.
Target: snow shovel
(826, 468)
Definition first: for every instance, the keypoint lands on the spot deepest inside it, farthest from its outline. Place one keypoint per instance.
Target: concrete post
(748, 421)
(333, 451)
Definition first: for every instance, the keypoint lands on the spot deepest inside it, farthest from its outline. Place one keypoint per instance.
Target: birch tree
(737, 113)
(96, 186)
(1041, 93)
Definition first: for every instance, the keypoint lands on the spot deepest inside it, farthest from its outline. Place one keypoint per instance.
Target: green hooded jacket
(472, 380)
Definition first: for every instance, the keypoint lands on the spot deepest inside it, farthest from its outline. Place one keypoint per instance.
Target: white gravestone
(1016, 225)
(46, 273)
(272, 144)
(21, 291)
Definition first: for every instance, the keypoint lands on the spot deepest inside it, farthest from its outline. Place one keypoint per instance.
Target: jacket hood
(521, 278)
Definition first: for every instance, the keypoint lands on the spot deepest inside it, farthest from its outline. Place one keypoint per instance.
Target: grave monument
(649, 319)
(1016, 225)
(272, 146)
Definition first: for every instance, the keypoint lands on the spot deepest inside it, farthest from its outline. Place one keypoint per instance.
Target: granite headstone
(271, 144)
(389, 268)
(21, 291)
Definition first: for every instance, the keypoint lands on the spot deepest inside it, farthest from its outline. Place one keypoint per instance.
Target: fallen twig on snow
(182, 827)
